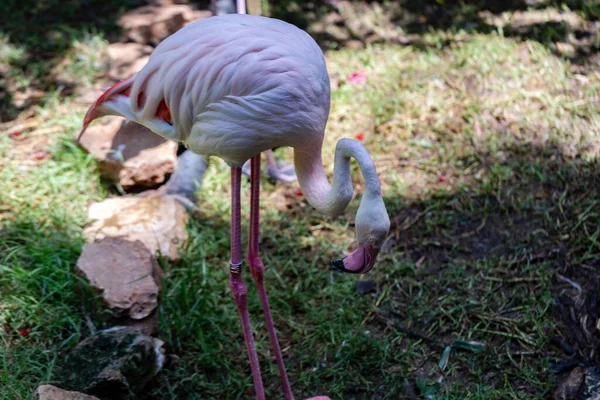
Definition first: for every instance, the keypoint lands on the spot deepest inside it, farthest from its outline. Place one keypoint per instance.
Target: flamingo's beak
(122, 87)
(359, 262)
(92, 114)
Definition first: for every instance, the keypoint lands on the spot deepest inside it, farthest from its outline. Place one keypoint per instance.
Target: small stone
(127, 59)
(159, 223)
(129, 153)
(49, 392)
(147, 326)
(185, 181)
(569, 388)
(151, 24)
(354, 44)
(115, 363)
(125, 273)
(591, 385)
(364, 287)
(566, 49)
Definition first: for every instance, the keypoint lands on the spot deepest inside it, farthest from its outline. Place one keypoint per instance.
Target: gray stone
(184, 183)
(112, 364)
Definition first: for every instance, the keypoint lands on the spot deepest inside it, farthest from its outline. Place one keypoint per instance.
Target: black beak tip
(337, 264)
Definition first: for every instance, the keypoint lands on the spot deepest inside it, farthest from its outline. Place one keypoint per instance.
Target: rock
(151, 24)
(254, 7)
(126, 59)
(88, 97)
(49, 392)
(185, 181)
(147, 326)
(591, 385)
(570, 386)
(566, 49)
(112, 364)
(125, 273)
(129, 153)
(159, 223)
(354, 44)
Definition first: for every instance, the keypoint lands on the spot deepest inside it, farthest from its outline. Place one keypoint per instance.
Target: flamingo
(237, 85)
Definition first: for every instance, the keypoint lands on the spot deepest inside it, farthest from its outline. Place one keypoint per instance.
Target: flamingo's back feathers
(233, 82)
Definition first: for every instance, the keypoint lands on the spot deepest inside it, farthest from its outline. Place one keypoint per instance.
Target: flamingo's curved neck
(332, 199)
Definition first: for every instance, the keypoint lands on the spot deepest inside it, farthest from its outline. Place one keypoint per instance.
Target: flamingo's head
(114, 101)
(372, 228)
(117, 101)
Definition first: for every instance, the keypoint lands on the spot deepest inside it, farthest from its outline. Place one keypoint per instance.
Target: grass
(487, 151)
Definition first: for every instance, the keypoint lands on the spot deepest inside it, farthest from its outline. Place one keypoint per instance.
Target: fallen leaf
(39, 155)
(445, 357)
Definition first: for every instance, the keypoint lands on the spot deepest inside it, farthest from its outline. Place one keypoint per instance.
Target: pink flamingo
(237, 85)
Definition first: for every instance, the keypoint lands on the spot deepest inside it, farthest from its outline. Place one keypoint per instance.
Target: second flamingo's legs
(279, 171)
(257, 269)
(236, 283)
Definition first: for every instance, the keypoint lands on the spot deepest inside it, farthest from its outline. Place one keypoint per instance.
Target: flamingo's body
(235, 86)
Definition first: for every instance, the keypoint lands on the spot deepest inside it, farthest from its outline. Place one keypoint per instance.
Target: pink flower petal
(357, 78)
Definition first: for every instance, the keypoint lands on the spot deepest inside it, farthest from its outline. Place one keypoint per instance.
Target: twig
(570, 282)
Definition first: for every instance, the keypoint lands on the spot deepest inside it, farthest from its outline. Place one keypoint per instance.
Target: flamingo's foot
(282, 172)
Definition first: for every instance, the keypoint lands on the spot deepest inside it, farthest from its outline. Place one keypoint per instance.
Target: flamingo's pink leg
(237, 285)
(257, 269)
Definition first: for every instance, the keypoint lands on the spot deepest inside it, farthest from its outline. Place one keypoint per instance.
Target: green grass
(487, 153)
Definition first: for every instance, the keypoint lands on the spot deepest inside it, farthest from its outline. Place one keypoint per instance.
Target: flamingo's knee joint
(235, 268)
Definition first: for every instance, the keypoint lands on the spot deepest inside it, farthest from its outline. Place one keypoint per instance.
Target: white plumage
(236, 74)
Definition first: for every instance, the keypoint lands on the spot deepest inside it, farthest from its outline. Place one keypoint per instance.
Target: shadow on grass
(336, 24)
(42, 297)
(511, 262)
(486, 262)
(493, 262)
(42, 33)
